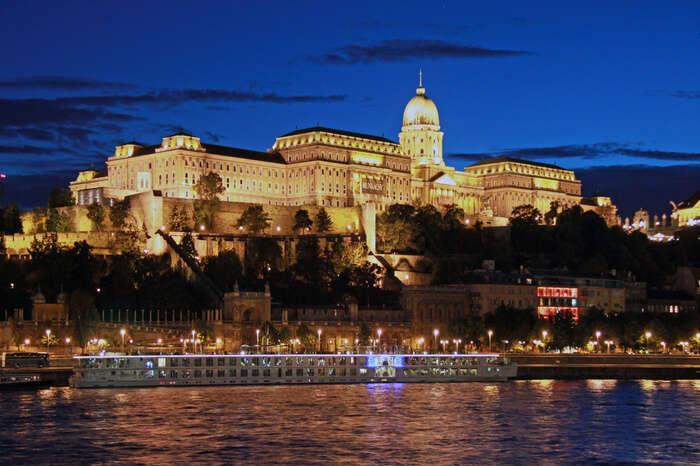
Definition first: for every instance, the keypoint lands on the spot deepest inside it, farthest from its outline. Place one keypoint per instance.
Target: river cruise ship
(280, 369)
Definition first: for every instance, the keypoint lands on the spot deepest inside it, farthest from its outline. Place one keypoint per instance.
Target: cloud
(26, 149)
(61, 83)
(690, 95)
(583, 151)
(181, 96)
(398, 50)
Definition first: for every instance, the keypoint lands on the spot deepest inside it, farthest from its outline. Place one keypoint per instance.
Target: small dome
(420, 110)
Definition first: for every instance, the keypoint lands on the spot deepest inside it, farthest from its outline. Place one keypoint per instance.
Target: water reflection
(595, 421)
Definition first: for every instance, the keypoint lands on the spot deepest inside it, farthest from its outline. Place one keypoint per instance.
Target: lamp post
(257, 337)
(490, 334)
(597, 337)
(697, 342)
(122, 332)
(436, 332)
(319, 331)
(663, 347)
(647, 335)
(379, 335)
(194, 345)
(48, 339)
(608, 342)
(544, 340)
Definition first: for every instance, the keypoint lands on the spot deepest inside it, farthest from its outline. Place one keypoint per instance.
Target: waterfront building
(321, 166)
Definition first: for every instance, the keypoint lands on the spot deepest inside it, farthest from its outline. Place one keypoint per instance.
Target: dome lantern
(420, 110)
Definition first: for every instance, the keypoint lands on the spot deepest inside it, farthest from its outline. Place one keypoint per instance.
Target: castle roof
(323, 129)
(505, 158)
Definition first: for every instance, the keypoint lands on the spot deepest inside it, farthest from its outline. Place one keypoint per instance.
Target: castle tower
(420, 135)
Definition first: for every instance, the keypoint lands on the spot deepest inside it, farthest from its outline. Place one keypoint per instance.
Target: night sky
(610, 91)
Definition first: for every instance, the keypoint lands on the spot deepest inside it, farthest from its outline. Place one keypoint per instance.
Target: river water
(521, 422)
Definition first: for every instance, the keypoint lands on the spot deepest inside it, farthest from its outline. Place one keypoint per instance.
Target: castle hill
(332, 240)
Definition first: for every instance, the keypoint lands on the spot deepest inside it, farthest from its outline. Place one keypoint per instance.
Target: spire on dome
(420, 90)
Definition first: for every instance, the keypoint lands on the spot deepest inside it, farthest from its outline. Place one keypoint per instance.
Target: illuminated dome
(420, 110)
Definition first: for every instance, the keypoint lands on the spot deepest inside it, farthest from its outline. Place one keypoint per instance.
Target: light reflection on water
(593, 421)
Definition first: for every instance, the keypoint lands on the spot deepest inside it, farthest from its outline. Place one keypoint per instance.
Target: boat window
(209, 362)
(174, 362)
(277, 361)
(161, 362)
(300, 361)
(322, 361)
(221, 373)
(353, 371)
(173, 374)
(266, 372)
(185, 362)
(300, 372)
(331, 371)
(311, 361)
(197, 373)
(232, 361)
(255, 361)
(245, 362)
(220, 362)
(321, 371)
(363, 370)
(210, 372)
(266, 362)
(310, 372)
(162, 374)
(186, 374)
(288, 362)
(232, 372)
(244, 372)
(255, 372)
(288, 372)
(198, 362)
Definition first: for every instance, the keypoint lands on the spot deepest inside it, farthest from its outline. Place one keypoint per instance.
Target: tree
(208, 188)
(305, 336)
(60, 197)
(11, 219)
(269, 333)
(38, 220)
(96, 214)
(225, 269)
(17, 334)
(395, 228)
(83, 315)
(302, 221)
(254, 219)
(324, 222)
(187, 246)
(179, 220)
(365, 334)
(525, 215)
(57, 222)
(118, 213)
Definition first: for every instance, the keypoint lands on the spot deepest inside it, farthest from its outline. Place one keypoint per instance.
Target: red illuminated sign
(557, 292)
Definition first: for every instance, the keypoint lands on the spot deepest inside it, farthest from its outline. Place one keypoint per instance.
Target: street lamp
(608, 342)
(436, 332)
(257, 337)
(48, 339)
(379, 335)
(194, 347)
(663, 347)
(646, 342)
(697, 341)
(122, 332)
(490, 334)
(598, 333)
(319, 339)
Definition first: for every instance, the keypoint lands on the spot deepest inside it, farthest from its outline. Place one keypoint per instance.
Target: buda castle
(321, 166)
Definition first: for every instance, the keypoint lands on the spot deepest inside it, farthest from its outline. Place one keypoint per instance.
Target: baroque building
(321, 166)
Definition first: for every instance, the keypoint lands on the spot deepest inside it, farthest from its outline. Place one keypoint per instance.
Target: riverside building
(321, 166)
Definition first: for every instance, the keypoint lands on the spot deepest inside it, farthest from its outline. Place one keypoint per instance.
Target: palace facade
(329, 167)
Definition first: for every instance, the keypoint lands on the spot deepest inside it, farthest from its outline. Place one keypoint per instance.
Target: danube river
(523, 422)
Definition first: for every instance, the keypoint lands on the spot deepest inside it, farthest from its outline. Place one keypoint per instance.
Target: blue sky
(610, 89)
